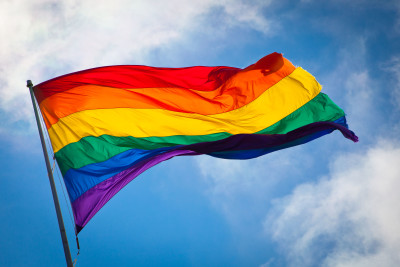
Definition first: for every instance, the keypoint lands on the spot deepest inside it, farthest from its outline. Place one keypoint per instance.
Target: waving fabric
(109, 124)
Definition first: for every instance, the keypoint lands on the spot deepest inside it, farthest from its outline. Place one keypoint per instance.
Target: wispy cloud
(230, 177)
(46, 38)
(348, 218)
(239, 189)
(393, 67)
(353, 84)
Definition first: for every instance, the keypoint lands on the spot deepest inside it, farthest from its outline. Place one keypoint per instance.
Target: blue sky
(327, 203)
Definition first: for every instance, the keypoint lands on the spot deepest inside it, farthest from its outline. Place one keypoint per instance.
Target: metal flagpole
(52, 184)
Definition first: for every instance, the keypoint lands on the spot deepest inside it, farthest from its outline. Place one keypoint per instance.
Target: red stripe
(125, 76)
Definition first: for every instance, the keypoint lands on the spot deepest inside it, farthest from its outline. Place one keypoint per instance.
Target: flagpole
(52, 184)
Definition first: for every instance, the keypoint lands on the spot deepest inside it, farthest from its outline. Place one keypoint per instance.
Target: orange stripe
(238, 91)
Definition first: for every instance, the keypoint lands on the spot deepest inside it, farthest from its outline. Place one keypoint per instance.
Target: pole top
(29, 84)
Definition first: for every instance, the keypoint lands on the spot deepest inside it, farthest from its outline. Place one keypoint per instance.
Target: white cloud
(349, 218)
(46, 38)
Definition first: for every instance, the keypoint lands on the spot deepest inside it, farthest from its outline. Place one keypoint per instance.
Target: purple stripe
(89, 203)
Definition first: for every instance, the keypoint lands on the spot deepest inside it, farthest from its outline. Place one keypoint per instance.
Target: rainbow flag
(107, 125)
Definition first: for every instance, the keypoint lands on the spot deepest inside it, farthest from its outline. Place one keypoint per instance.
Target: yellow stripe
(277, 102)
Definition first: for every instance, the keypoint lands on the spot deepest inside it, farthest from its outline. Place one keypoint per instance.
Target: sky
(330, 202)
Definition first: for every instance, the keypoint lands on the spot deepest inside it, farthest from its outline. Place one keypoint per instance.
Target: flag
(109, 124)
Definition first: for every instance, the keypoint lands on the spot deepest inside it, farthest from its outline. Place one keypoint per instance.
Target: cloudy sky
(330, 202)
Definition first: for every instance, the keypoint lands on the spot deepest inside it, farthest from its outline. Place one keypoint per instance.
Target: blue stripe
(78, 181)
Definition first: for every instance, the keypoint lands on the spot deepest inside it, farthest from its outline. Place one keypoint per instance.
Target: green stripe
(97, 149)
